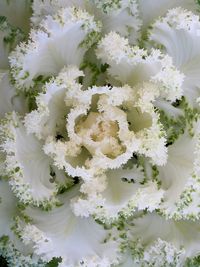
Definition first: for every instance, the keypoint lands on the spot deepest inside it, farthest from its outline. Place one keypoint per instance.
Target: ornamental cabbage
(100, 133)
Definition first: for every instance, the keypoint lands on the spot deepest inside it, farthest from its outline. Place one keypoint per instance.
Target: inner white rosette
(158, 242)
(133, 66)
(89, 131)
(178, 35)
(49, 49)
(31, 175)
(77, 241)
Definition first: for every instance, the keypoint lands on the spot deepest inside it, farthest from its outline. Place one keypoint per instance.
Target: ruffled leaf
(49, 49)
(178, 34)
(11, 247)
(125, 191)
(162, 242)
(133, 66)
(119, 16)
(28, 168)
(59, 233)
(150, 10)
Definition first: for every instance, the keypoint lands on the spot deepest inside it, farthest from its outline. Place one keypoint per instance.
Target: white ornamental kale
(100, 133)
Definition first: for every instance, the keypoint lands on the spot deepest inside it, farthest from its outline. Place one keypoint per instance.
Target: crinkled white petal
(44, 8)
(50, 117)
(153, 143)
(179, 35)
(26, 164)
(49, 48)
(18, 256)
(164, 242)
(120, 16)
(125, 191)
(132, 65)
(9, 101)
(78, 241)
(163, 253)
